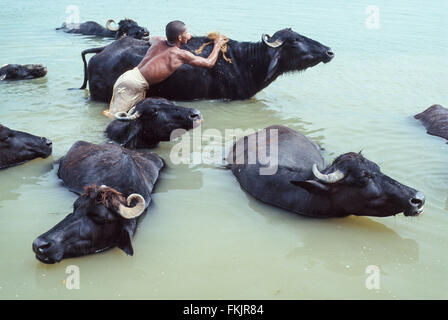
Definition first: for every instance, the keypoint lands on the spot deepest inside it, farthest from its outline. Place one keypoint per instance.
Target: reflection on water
(203, 236)
(339, 253)
(336, 248)
(187, 179)
(30, 173)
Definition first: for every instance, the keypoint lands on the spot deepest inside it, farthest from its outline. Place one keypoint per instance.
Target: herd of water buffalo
(108, 208)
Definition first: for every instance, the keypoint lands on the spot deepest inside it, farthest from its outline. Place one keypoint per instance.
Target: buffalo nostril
(48, 142)
(195, 116)
(418, 200)
(330, 53)
(41, 245)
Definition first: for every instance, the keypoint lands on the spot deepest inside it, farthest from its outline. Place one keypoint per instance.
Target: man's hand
(197, 61)
(221, 40)
(224, 41)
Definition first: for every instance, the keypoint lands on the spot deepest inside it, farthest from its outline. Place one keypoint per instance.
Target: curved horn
(265, 38)
(328, 178)
(134, 212)
(127, 116)
(108, 27)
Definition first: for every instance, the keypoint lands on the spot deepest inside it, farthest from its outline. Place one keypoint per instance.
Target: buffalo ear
(311, 186)
(126, 245)
(127, 233)
(135, 127)
(273, 66)
(76, 204)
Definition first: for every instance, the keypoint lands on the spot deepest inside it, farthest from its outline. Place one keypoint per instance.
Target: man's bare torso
(160, 62)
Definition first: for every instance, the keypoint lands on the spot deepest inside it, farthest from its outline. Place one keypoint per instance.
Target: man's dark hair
(174, 29)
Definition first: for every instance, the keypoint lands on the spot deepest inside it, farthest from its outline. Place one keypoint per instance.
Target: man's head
(176, 33)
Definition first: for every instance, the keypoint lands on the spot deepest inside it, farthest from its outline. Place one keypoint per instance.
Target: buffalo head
(17, 147)
(25, 71)
(355, 185)
(102, 218)
(291, 51)
(151, 121)
(128, 27)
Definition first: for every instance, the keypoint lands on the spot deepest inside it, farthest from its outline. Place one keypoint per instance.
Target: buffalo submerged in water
(253, 67)
(17, 147)
(151, 121)
(435, 120)
(304, 184)
(114, 186)
(22, 71)
(126, 27)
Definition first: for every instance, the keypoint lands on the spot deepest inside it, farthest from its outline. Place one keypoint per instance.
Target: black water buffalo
(22, 71)
(304, 184)
(435, 120)
(115, 186)
(17, 147)
(253, 67)
(91, 28)
(151, 121)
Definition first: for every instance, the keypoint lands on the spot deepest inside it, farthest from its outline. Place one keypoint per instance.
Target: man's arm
(197, 61)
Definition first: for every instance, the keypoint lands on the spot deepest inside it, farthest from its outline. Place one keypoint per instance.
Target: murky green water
(204, 237)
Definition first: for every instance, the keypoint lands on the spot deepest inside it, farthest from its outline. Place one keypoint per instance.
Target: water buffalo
(435, 120)
(151, 121)
(115, 186)
(253, 67)
(17, 147)
(20, 72)
(90, 28)
(304, 184)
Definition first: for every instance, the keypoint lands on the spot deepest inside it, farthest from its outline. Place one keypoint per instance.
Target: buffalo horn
(265, 38)
(130, 213)
(108, 27)
(328, 178)
(127, 116)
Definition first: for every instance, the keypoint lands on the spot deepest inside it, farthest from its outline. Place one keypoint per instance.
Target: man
(162, 59)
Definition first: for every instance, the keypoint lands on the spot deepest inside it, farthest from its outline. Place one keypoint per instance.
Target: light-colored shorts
(129, 89)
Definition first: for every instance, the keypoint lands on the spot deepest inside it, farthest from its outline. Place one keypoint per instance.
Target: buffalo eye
(100, 215)
(4, 138)
(98, 219)
(367, 174)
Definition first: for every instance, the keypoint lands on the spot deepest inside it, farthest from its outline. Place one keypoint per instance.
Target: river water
(205, 238)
